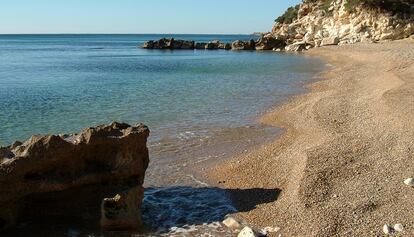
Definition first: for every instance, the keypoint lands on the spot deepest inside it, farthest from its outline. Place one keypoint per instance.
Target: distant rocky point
(263, 43)
(95, 176)
(171, 43)
(317, 23)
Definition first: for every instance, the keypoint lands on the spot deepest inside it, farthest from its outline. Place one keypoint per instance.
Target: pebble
(265, 231)
(247, 232)
(386, 229)
(232, 223)
(409, 182)
(398, 227)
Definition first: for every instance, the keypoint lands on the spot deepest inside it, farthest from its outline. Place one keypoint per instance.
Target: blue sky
(139, 16)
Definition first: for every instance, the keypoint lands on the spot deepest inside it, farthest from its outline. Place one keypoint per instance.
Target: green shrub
(395, 6)
(290, 14)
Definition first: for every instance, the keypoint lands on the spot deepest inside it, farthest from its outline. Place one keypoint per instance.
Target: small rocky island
(95, 176)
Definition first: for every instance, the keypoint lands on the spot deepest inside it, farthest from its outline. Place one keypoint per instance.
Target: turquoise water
(197, 104)
(63, 83)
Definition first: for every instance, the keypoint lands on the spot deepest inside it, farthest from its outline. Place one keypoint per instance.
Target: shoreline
(327, 164)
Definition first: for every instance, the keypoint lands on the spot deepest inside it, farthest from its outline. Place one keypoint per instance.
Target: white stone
(409, 182)
(398, 227)
(267, 230)
(247, 232)
(386, 229)
(232, 223)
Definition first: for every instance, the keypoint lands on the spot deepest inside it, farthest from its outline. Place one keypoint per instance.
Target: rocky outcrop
(199, 45)
(269, 42)
(71, 175)
(243, 45)
(172, 43)
(225, 46)
(316, 23)
(320, 23)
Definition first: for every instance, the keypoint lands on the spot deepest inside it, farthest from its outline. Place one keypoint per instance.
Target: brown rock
(163, 43)
(213, 45)
(269, 42)
(200, 45)
(148, 45)
(330, 41)
(49, 177)
(296, 47)
(122, 212)
(225, 46)
(243, 45)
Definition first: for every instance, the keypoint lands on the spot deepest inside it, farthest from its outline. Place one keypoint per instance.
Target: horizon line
(130, 33)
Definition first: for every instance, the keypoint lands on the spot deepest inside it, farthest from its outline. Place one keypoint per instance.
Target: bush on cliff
(395, 6)
(290, 14)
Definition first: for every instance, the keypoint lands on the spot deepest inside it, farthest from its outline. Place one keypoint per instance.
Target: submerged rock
(48, 177)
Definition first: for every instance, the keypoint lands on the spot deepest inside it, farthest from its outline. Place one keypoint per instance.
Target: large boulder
(148, 45)
(213, 44)
(296, 47)
(164, 43)
(330, 41)
(268, 42)
(199, 45)
(68, 176)
(182, 44)
(226, 46)
(187, 44)
(243, 45)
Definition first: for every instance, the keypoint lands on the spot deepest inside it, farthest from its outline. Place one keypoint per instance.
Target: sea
(202, 107)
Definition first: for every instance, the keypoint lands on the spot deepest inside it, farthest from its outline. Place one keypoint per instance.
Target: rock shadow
(163, 208)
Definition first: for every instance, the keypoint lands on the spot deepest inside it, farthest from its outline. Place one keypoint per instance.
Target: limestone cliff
(315, 23)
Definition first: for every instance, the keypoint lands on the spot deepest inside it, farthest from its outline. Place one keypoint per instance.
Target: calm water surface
(64, 83)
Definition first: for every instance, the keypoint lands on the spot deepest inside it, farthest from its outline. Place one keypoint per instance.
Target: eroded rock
(122, 212)
(51, 176)
(243, 45)
(268, 42)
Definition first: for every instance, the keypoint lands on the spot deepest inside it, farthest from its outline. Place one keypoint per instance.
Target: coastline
(340, 163)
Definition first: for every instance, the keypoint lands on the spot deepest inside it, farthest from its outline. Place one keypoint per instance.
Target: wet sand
(338, 169)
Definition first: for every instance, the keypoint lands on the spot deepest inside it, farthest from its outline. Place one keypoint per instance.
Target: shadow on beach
(163, 209)
(177, 206)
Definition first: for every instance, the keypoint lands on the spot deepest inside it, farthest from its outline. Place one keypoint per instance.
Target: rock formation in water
(74, 176)
(171, 43)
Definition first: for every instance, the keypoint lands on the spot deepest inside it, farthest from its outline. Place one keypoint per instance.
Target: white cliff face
(316, 24)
